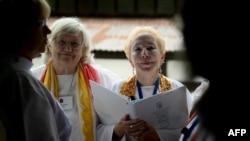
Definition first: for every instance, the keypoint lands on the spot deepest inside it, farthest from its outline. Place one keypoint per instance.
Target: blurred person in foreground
(69, 65)
(28, 112)
(145, 50)
(219, 112)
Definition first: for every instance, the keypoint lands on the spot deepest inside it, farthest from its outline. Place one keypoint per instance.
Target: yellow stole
(129, 86)
(84, 98)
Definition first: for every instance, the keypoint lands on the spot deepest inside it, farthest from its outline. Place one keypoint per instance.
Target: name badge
(66, 102)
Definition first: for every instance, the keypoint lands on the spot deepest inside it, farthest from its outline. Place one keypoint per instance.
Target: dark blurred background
(116, 8)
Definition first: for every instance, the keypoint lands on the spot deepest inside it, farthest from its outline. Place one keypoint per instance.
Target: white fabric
(43, 118)
(106, 79)
(105, 132)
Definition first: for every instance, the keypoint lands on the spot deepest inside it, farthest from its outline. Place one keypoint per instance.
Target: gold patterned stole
(84, 99)
(129, 86)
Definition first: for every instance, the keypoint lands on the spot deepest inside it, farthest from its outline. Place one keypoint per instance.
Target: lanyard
(140, 91)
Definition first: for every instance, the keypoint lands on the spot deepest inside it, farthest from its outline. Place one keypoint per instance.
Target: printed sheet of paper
(160, 110)
(111, 107)
(163, 110)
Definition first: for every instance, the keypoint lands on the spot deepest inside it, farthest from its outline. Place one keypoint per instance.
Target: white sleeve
(37, 98)
(37, 72)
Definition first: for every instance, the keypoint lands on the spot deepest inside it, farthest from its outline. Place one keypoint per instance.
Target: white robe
(105, 132)
(34, 112)
(67, 87)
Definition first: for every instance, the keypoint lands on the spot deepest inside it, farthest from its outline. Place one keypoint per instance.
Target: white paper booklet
(163, 110)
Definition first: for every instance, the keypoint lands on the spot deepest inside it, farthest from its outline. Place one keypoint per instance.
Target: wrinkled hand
(149, 134)
(130, 127)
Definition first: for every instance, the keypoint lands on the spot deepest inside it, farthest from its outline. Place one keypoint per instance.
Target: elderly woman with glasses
(69, 67)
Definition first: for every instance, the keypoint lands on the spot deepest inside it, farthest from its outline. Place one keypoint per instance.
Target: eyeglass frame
(72, 44)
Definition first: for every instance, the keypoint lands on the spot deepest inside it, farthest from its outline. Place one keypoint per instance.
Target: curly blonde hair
(144, 29)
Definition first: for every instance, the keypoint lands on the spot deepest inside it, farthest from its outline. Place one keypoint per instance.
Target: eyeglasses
(72, 44)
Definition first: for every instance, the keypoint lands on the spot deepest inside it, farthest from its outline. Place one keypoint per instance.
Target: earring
(133, 71)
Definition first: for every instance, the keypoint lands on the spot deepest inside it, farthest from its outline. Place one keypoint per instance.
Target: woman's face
(145, 54)
(66, 50)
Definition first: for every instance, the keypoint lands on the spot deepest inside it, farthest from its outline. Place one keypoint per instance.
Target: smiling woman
(69, 55)
(145, 51)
